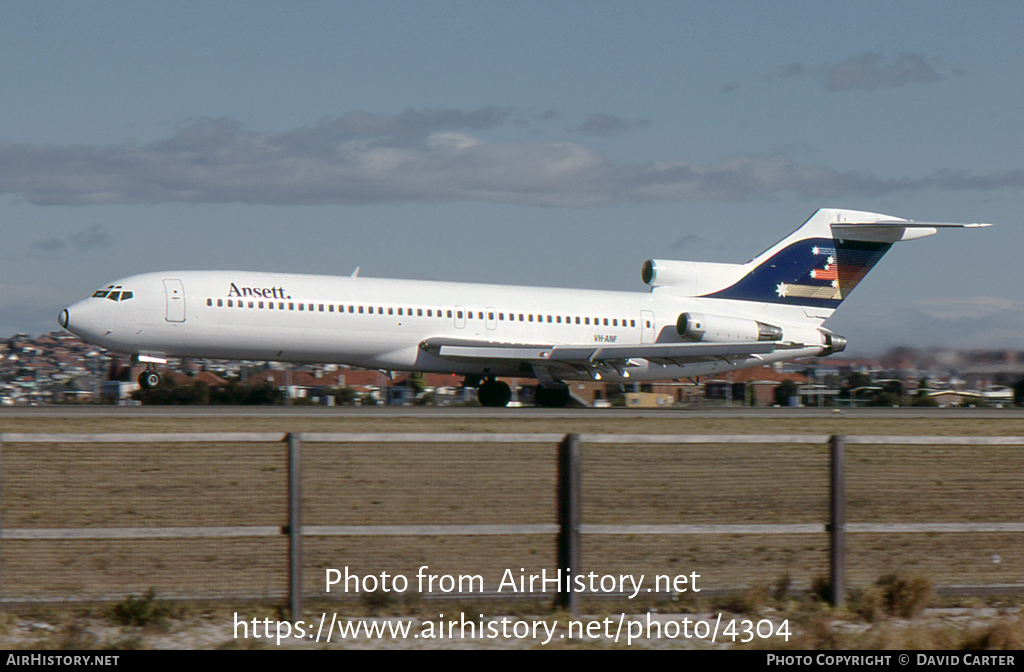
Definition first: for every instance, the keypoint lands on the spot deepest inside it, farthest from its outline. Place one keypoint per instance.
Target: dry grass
(610, 421)
(154, 485)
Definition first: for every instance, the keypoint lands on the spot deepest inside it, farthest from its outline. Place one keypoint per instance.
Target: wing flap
(595, 354)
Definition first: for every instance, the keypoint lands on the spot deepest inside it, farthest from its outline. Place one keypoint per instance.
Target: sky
(539, 143)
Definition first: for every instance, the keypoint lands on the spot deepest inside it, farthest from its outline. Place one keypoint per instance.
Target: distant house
(749, 387)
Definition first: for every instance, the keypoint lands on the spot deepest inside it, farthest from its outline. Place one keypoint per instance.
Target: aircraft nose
(77, 318)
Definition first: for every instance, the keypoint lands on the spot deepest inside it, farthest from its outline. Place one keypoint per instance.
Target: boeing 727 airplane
(697, 319)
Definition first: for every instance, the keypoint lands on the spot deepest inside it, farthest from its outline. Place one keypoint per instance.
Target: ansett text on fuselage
(264, 292)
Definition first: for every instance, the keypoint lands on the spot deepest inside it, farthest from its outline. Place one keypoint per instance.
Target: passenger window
(531, 317)
(521, 317)
(458, 314)
(606, 321)
(558, 319)
(430, 312)
(501, 317)
(261, 305)
(270, 305)
(352, 309)
(280, 305)
(291, 306)
(320, 307)
(549, 319)
(632, 323)
(231, 303)
(615, 323)
(490, 316)
(450, 314)
(419, 312)
(302, 306)
(209, 302)
(360, 310)
(330, 308)
(220, 303)
(250, 304)
(577, 320)
(648, 324)
(391, 311)
(469, 314)
(480, 315)
(586, 320)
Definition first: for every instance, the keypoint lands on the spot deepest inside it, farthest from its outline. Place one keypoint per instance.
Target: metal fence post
(837, 519)
(569, 492)
(295, 525)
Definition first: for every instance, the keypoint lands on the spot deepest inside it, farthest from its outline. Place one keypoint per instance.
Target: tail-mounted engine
(719, 329)
(833, 343)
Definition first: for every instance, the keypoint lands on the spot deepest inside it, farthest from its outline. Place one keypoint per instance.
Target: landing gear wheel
(552, 397)
(494, 394)
(149, 379)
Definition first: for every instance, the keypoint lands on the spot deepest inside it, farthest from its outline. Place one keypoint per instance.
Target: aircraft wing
(541, 354)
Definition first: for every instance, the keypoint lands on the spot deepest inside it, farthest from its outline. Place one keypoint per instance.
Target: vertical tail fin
(820, 263)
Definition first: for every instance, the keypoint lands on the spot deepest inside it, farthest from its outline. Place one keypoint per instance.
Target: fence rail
(570, 484)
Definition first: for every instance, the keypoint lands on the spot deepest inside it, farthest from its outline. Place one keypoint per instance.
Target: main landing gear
(149, 379)
(552, 396)
(494, 393)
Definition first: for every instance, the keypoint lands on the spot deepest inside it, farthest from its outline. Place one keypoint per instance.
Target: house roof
(756, 375)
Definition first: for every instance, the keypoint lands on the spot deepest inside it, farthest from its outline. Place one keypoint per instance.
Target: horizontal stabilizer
(904, 224)
(891, 231)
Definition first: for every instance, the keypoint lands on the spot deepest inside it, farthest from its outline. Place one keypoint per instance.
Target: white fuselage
(381, 324)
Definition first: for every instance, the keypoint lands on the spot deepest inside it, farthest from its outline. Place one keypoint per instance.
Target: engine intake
(690, 278)
(719, 329)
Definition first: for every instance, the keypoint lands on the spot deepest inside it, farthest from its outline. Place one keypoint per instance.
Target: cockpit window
(115, 295)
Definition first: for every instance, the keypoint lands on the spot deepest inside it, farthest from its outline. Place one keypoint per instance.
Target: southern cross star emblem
(781, 290)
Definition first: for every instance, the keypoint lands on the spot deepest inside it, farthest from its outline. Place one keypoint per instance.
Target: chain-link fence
(95, 517)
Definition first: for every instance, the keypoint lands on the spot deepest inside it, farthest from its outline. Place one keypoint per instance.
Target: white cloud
(966, 308)
(872, 71)
(866, 72)
(607, 124)
(415, 156)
